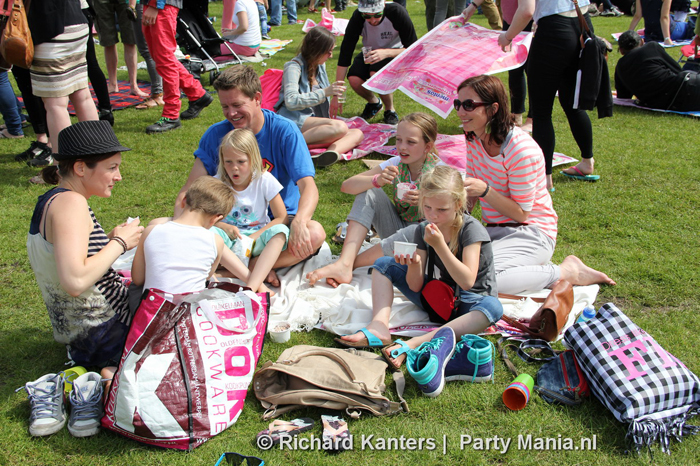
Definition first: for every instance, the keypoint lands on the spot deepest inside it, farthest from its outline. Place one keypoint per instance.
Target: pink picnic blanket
(376, 136)
(430, 70)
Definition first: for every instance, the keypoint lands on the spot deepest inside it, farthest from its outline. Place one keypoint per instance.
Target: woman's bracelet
(486, 191)
(375, 183)
(121, 242)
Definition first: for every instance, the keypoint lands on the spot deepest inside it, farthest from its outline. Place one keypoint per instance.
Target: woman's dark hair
(53, 174)
(317, 42)
(628, 40)
(491, 90)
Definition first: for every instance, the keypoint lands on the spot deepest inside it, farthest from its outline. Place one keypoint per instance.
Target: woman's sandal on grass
(335, 431)
(395, 357)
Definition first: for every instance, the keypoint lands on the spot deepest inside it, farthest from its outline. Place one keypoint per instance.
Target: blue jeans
(489, 305)
(263, 18)
(276, 12)
(9, 106)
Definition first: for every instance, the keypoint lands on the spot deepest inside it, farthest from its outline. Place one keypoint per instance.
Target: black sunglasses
(468, 105)
(236, 459)
(372, 15)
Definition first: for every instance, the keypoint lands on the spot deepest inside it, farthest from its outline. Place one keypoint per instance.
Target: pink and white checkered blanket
(430, 70)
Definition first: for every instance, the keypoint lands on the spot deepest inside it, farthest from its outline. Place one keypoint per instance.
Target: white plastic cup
(281, 333)
(404, 249)
(403, 188)
(343, 97)
(365, 52)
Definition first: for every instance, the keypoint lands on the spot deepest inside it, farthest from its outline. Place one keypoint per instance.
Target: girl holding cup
(304, 98)
(415, 143)
(463, 257)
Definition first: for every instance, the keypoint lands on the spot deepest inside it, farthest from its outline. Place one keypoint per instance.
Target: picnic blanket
(348, 308)
(336, 25)
(631, 103)
(430, 70)
(376, 136)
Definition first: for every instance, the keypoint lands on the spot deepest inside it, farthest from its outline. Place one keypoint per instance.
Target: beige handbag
(331, 378)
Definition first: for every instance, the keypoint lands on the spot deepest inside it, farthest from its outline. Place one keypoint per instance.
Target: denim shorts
(490, 306)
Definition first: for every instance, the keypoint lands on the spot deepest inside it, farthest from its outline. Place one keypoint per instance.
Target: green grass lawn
(639, 224)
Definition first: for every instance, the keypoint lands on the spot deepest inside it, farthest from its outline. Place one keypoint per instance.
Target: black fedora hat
(87, 138)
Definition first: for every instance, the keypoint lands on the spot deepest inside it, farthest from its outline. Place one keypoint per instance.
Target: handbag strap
(519, 297)
(431, 269)
(581, 19)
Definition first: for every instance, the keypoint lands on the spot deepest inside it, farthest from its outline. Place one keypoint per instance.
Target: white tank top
(179, 257)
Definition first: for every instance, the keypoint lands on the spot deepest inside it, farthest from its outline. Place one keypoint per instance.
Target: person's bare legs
(388, 101)
(332, 133)
(382, 297)
(340, 271)
(577, 273)
(356, 83)
(260, 268)
(472, 323)
(57, 117)
(318, 237)
(111, 60)
(84, 105)
(131, 59)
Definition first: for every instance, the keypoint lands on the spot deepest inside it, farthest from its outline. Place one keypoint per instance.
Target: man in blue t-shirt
(284, 153)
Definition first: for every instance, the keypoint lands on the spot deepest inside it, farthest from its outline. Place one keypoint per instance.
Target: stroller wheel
(213, 74)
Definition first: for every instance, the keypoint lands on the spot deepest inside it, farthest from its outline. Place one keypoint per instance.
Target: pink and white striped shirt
(517, 173)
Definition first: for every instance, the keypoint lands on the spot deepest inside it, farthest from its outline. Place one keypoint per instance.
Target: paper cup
(365, 52)
(280, 333)
(406, 249)
(403, 188)
(518, 392)
(69, 375)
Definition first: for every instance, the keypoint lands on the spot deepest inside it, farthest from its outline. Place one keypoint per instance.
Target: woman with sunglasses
(552, 66)
(304, 98)
(506, 174)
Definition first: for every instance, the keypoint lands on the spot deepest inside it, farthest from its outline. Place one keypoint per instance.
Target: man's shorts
(107, 26)
(362, 70)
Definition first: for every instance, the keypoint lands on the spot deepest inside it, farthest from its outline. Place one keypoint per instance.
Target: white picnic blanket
(348, 308)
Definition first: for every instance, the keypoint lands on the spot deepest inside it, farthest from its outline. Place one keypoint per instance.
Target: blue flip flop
(579, 175)
(392, 356)
(370, 341)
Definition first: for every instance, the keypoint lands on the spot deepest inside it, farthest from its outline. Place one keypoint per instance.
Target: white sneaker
(86, 405)
(48, 413)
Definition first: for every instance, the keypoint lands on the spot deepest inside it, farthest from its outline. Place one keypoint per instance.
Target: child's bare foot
(264, 289)
(335, 274)
(273, 279)
(378, 329)
(575, 271)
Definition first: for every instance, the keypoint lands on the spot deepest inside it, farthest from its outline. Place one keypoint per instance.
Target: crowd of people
(244, 183)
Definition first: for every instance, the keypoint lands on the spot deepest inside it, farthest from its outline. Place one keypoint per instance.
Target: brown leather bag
(16, 42)
(549, 320)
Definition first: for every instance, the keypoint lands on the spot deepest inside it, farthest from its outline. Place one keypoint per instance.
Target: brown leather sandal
(154, 100)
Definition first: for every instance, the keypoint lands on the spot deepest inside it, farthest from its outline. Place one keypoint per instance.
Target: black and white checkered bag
(635, 378)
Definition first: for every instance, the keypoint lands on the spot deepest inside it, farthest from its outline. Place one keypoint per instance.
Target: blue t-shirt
(283, 149)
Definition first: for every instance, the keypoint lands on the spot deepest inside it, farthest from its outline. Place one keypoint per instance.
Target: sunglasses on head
(468, 105)
(236, 459)
(372, 15)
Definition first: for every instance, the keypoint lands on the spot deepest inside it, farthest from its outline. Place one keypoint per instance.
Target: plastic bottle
(587, 314)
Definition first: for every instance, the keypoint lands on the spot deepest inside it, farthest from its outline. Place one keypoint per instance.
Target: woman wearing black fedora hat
(71, 254)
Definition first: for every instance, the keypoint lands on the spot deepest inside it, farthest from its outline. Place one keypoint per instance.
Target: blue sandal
(370, 341)
(393, 355)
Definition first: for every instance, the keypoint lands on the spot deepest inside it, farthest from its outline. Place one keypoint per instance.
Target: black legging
(516, 81)
(33, 104)
(95, 73)
(551, 67)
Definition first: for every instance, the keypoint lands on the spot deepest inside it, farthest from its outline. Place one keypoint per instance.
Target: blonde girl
(463, 258)
(415, 143)
(256, 190)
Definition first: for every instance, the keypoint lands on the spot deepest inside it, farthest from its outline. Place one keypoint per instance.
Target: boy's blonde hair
(242, 140)
(211, 196)
(427, 124)
(446, 181)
